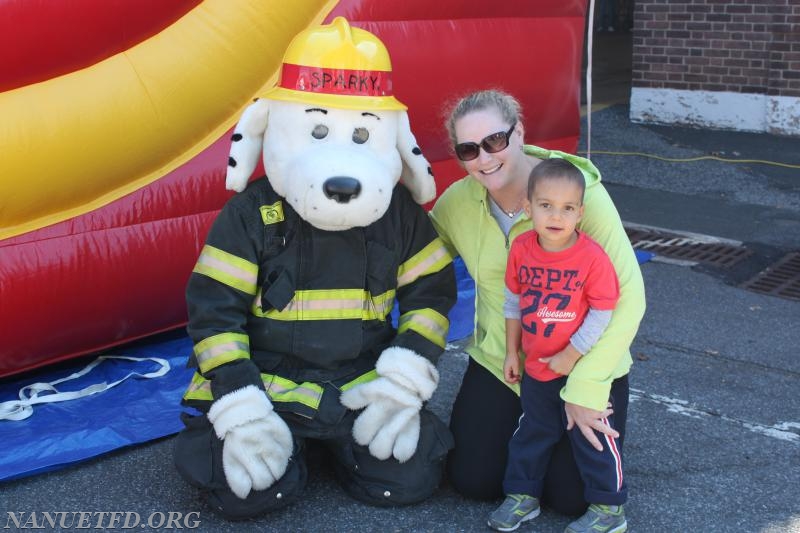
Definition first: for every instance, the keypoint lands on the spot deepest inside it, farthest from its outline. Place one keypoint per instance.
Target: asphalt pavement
(713, 440)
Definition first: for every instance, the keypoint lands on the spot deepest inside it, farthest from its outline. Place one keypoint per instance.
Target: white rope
(43, 392)
(589, 45)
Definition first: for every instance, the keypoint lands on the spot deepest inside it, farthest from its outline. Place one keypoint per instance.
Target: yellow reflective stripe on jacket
(228, 269)
(430, 259)
(199, 389)
(214, 351)
(331, 304)
(369, 376)
(278, 389)
(284, 390)
(428, 323)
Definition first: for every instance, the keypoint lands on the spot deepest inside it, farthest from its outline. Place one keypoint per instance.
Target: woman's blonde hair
(508, 107)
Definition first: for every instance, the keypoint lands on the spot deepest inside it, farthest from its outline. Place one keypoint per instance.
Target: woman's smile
(491, 170)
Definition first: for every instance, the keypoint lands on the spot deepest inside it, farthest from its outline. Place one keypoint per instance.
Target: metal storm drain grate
(687, 248)
(781, 279)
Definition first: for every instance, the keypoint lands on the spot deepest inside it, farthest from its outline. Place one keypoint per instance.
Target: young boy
(561, 289)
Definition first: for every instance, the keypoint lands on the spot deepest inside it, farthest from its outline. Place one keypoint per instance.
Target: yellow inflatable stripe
(77, 142)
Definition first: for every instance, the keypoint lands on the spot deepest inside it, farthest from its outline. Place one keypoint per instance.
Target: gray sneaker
(514, 510)
(600, 519)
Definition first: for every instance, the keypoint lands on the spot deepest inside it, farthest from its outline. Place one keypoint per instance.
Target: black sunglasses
(491, 144)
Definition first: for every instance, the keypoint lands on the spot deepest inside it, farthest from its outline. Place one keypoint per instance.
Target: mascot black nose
(341, 188)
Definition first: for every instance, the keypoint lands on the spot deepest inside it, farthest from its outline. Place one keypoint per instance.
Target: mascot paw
(410, 370)
(381, 392)
(390, 423)
(397, 438)
(257, 443)
(255, 456)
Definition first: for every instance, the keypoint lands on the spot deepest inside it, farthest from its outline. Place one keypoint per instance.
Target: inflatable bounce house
(115, 132)
(116, 119)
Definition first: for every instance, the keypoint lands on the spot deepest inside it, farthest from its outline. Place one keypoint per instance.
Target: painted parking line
(786, 431)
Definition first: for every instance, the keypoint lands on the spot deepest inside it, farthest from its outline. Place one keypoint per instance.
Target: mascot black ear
(246, 145)
(417, 174)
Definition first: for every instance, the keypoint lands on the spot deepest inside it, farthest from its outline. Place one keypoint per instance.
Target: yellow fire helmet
(336, 65)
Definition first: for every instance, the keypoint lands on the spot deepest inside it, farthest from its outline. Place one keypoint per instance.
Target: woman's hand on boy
(588, 421)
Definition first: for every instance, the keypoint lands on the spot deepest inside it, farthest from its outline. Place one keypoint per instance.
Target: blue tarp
(137, 410)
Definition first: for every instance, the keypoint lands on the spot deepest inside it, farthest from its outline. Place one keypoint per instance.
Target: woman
(478, 217)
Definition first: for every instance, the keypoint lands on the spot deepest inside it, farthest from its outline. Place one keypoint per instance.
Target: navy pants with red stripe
(542, 425)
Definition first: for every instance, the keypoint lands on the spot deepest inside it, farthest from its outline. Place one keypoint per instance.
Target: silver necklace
(512, 213)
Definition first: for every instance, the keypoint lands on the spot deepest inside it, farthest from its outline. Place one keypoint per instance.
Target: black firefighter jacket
(273, 299)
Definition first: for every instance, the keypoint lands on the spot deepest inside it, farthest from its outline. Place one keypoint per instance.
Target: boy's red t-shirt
(556, 290)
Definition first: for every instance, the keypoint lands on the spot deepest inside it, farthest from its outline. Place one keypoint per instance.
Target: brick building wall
(718, 63)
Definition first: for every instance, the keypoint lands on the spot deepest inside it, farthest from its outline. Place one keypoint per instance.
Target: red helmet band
(336, 81)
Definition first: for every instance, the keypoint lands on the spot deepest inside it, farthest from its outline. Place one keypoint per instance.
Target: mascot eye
(360, 135)
(320, 131)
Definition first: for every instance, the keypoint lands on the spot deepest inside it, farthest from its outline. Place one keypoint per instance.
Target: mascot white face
(335, 167)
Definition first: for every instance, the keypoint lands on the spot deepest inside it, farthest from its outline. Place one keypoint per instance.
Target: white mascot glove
(257, 443)
(390, 422)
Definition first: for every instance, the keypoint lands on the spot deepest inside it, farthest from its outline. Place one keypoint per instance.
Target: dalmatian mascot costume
(290, 300)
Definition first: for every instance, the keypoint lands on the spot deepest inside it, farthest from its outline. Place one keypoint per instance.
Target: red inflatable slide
(116, 125)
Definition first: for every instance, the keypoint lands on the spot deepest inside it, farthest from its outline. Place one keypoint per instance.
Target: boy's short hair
(555, 167)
